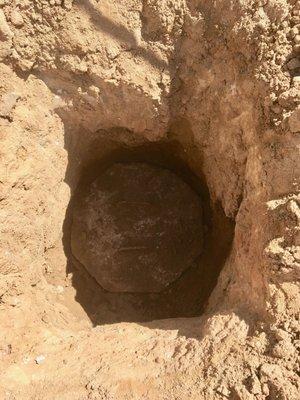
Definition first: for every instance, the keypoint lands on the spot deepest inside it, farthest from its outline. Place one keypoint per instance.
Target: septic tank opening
(143, 240)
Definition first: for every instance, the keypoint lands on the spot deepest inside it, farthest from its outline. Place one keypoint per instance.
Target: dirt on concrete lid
(137, 227)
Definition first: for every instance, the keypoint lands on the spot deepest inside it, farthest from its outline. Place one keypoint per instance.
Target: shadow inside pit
(186, 297)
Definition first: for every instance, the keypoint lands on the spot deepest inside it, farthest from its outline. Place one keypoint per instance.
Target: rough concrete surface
(137, 228)
(207, 88)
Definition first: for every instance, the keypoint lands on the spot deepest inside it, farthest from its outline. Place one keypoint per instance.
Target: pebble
(16, 18)
(297, 39)
(283, 349)
(137, 37)
(294, 31)
(68, 4)
(255, 386)
(270, 370)
(223, 390)
(25, 65)
(265, 389)
(294, 63)
(281, 334)
(7, 103)
(296, 81)
(294, 121)
(5, 30)
(40, 359)
(296, 48)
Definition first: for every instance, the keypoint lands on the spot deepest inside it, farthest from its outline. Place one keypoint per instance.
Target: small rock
(7, 103)
(223, 390)
(296, 82)
(5, 31)
(270, 371)
(265, 389)
(25, 65)
(294, 63)
(242, 393)
(137, 37)
(294, 31)
(112, 51)
(6, 36)
(68, 4)
(281, 334)
(16, 18)
(294, 121)
(253, 385)
(283, 349)
(14, 55)
(94, 91)
(296, 48)
(40, 359)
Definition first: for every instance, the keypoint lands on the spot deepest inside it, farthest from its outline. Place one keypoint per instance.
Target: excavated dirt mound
(149, 199)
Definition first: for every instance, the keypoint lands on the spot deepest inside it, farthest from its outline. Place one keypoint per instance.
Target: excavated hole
(142, 237)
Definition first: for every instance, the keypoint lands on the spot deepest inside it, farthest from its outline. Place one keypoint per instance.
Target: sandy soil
(209, 89)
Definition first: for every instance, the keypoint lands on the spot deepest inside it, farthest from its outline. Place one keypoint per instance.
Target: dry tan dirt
(208, 89)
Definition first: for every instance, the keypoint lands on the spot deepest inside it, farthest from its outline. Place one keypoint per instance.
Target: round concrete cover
(137, 228)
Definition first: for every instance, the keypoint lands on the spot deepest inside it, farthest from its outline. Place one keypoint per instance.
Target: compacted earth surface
(149, 199)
